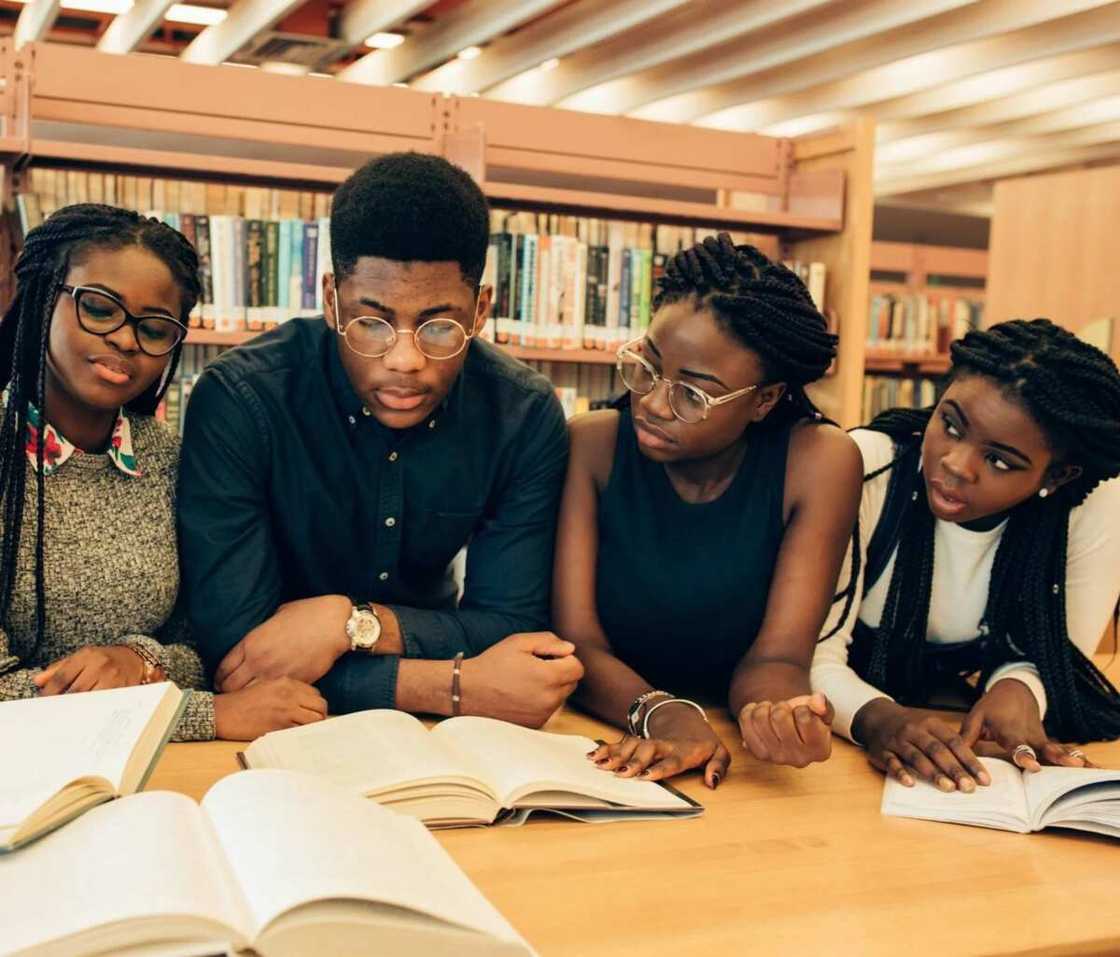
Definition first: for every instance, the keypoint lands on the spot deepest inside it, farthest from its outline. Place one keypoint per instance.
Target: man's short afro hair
(410, 207)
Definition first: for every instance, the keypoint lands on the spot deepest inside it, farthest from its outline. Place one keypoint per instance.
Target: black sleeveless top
(681, 589)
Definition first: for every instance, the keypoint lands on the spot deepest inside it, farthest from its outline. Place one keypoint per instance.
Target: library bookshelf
(73, 108)
(923, 270)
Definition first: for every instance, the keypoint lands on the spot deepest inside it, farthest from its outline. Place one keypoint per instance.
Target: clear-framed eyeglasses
(101, 313)
(373, 336)
(688, 403)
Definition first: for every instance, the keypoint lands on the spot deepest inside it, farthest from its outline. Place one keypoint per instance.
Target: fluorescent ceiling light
(98, 6)
(470, 53)
(384, 41)
(189, 13)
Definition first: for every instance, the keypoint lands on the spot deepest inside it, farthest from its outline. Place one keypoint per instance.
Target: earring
(1043, 492)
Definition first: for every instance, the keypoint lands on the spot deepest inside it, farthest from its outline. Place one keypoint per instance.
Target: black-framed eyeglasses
(687, 402)
(373, 336)
(101, 313)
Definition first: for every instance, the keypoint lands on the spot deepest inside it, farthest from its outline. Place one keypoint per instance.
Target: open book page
(518, 761)
(49, 742)
(1057, 793)
(1002, 804)
(368, 752)
(142, 857)
(291, 839)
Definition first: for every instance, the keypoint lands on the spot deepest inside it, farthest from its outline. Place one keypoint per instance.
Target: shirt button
(351, 419)
(390, 522)
(366, 411)
(432, 424)
(384, 576)
(393, 456)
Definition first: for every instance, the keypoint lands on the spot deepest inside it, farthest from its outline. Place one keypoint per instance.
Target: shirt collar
(57, 450)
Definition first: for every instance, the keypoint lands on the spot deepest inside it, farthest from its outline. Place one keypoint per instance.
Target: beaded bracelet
(456, 695)
(151, 662)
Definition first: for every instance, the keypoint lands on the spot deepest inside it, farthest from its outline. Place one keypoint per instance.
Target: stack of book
(919, 324)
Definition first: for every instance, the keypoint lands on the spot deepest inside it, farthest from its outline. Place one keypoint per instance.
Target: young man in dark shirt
(332, 470)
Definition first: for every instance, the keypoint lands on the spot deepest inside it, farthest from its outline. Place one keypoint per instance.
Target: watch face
(365, 629)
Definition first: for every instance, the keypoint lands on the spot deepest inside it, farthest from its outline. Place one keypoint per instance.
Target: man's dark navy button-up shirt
(289, 490)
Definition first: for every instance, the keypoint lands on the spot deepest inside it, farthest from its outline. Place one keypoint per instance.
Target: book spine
(283, 268)
(310, 267)
(272, 271)
(254, 272)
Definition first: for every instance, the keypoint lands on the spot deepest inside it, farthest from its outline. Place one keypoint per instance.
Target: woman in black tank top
(705, 520)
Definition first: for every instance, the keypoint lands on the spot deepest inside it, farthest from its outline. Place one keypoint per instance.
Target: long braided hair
(1072, 390)
(764, 306)
(48, 252)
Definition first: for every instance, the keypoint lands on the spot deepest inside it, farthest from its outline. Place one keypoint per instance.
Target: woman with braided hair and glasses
(89, 571)
(704, 522)
(988, 543)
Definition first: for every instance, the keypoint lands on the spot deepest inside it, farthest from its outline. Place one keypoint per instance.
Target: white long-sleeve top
(962, 571)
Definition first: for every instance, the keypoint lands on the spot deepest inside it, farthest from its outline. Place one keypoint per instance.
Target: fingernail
(907, 780)
(984, 778)
(945, 784)
(591, 754)
(601, 760)
(644, 774)
(967, 785)
(715, 781)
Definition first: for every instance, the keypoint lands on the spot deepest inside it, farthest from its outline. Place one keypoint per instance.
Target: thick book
(464, 771)
(271, 863)
(1084, 799)
(65, 754)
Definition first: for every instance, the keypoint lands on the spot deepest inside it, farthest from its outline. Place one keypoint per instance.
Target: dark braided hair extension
(763, 305)
(1072, 390)
(48, 252)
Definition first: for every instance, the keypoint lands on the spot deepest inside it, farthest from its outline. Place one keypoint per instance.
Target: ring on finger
(1077, 753)
(1023, 751)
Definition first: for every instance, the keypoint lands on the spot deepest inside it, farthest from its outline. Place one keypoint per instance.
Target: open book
(273, 861)
(1085, 799)
(464, 771)
(67, 753)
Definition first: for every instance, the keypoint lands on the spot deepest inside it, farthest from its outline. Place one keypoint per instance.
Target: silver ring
(1077, 753)
(1023, 749)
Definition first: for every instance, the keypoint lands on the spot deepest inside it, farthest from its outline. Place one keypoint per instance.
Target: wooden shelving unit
(923, 270)
(68, 106)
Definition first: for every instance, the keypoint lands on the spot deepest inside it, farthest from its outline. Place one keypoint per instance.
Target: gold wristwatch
(363, 628)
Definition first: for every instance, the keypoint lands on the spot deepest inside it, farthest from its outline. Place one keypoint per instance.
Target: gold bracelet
(151, 662)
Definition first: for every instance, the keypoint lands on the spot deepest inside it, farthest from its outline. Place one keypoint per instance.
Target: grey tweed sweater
(111, 571)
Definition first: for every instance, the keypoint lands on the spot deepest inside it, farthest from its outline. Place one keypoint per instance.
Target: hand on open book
(907, 744)
(523, 678)
(797, 731)
(269, 705)
(1008, 715)
(92, 668)
(302, 640)
(681, 740)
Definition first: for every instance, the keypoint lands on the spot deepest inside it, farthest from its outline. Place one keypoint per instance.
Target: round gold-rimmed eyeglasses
(373, 336)
(687, 402)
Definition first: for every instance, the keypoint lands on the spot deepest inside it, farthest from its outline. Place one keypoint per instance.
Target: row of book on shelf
(920, 323)
(559, 281)
(890, 392)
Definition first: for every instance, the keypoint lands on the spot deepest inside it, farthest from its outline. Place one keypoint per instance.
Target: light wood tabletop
(783, 861)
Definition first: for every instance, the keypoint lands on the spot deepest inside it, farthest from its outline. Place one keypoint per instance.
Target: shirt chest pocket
(431, 539)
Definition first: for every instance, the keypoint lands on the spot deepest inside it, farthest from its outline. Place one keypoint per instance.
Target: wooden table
(783, 862)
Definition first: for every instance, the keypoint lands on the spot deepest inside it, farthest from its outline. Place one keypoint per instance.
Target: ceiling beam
(698, 25)
(759, 52)
(1044, 39)
(999, 95)
(364, 18)
(246, 19)
(1037, 159)
(128, 30)
(35, 21)
(915, 148)
(574, 27)
(471, 24)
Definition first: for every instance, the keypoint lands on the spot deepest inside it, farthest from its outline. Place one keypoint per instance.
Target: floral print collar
(57, 450)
